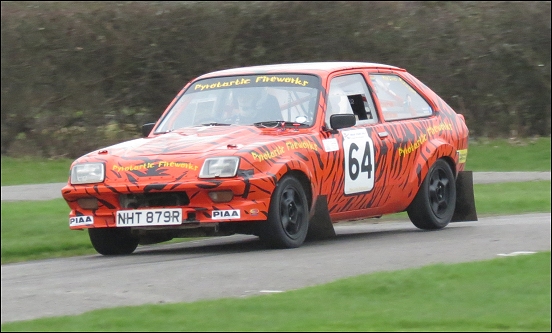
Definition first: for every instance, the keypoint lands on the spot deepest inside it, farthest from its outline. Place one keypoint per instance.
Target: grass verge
(502, 294)
(29, 170)
(532, 154)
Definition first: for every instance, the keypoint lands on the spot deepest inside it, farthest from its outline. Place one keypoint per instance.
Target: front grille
(160, 199)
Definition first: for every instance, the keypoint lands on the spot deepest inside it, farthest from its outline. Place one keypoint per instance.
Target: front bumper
(251, 199)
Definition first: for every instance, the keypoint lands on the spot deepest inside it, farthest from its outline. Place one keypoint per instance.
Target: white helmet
(338, 102)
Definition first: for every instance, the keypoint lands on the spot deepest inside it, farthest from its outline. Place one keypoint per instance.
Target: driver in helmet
(254, 104)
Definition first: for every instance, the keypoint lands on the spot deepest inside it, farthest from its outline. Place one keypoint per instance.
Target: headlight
(219, 167)
(88, 173)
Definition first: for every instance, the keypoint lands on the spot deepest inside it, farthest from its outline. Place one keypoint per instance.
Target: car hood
(178, 155)
(199, 141)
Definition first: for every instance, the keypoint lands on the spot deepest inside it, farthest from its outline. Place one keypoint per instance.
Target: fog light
(221, 196)
(88, 203)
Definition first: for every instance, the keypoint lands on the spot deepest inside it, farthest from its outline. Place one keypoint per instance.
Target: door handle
(383, 135)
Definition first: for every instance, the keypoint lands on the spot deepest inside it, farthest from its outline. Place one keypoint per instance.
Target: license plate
(149, 217)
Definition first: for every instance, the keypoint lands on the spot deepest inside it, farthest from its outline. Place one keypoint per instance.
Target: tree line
(77, 76)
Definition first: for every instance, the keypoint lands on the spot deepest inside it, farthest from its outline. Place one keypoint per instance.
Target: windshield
(245, 100)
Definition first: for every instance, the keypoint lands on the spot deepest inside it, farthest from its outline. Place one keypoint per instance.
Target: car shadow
(236, 244)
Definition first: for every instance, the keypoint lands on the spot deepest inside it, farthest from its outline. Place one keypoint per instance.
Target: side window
(350, 94)
(398, 99)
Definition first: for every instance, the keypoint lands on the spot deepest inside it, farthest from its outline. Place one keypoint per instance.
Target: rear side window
(398, 99)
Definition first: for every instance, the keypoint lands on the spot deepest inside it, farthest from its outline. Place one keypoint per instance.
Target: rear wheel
(287, 222)
(113, 241)
(433, 206)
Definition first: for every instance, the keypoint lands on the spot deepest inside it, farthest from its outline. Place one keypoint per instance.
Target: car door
(381, 153)
(357, 193)
(401, 133)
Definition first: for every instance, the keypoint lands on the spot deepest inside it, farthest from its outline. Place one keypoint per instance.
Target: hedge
(80, 75)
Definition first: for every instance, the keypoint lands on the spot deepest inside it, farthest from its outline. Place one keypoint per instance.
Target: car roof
(303, 67)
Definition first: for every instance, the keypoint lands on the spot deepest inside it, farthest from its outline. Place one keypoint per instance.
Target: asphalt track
(239, 266)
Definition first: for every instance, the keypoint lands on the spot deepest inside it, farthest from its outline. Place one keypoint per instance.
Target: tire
(287, 223)
(113, 241)
(434, 204)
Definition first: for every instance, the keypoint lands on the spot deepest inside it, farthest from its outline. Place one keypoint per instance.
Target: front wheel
(434, 205)
(113, 241)
(287, 222)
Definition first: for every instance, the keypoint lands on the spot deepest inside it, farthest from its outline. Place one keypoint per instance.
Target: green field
(509, 155)
(20, 171)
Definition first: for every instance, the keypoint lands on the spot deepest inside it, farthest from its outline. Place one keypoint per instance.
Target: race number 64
(358, 151)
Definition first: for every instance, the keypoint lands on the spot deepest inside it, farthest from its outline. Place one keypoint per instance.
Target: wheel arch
(430, 153)
(299, 170)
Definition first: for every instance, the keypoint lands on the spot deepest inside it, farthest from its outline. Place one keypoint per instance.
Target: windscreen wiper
(215, 124)
(279, 123)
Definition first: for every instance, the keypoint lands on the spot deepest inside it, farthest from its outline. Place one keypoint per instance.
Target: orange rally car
(282, 152)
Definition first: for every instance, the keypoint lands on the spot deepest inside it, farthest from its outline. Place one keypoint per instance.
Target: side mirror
(146, 129)
(338, 121)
